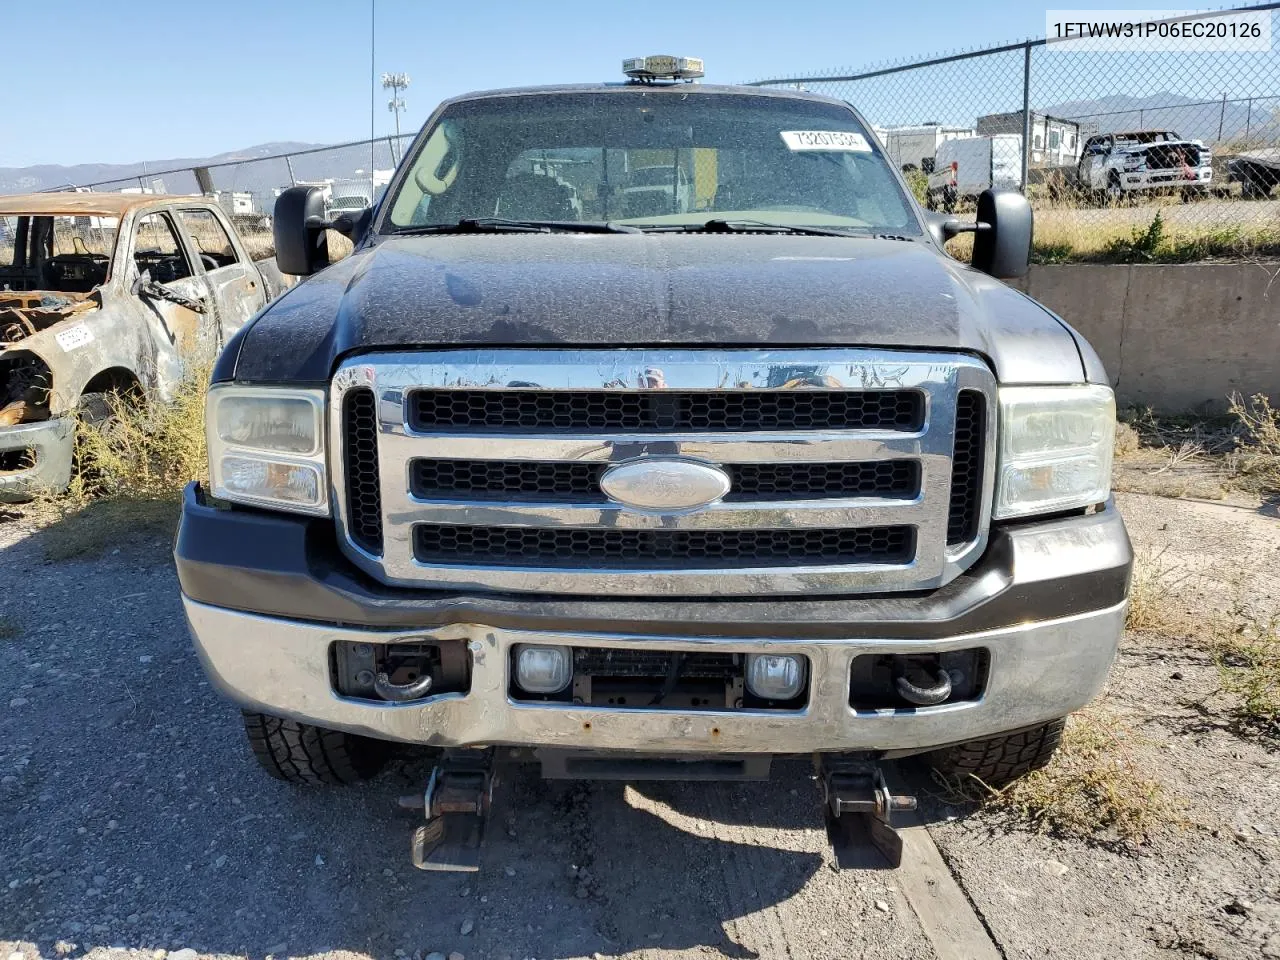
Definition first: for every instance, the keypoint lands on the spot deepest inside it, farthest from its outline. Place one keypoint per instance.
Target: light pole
(395, 82)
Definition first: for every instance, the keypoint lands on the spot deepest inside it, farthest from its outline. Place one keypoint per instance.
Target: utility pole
(395, 82)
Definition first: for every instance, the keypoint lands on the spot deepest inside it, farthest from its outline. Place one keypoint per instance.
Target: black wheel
(949, 198)
(1115, 192)
(1253, 190)
(98, 413)
(999, 761)
(300, 753)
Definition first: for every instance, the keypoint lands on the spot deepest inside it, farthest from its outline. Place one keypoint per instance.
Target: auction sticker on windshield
(825, 140)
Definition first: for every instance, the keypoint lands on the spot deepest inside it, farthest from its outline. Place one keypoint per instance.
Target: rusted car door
(234, 281)
(181, 335)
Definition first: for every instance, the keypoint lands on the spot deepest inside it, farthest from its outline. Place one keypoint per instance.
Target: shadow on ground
(132, 815)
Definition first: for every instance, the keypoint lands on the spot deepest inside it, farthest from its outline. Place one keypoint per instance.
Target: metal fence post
(1026, 115)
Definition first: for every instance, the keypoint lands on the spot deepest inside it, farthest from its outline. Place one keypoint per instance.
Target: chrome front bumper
(52, 442)
(1038, 671)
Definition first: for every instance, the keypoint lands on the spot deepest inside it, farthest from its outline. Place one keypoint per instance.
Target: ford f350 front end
(629, 490)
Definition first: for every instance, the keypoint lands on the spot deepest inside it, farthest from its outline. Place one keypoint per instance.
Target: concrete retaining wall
(1177, 337)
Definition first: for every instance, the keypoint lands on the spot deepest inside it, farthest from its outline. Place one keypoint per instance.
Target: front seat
(531, 196)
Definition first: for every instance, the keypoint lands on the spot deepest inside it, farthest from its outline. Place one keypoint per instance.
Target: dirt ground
(133, 821)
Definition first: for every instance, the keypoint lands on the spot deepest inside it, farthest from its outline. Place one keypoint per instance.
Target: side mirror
(1003, 248)
(1002, 233)
(298, 228)
(355, 225)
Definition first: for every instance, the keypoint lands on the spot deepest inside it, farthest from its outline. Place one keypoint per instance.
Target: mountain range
(1199, 120)
(1193, 119)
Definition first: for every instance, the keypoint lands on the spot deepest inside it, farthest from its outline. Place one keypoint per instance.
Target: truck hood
(649, 290)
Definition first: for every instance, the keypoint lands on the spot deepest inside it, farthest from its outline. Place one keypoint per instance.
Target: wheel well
(114, 380)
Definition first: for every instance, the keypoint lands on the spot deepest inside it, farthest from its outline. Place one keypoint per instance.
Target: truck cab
(535, 475)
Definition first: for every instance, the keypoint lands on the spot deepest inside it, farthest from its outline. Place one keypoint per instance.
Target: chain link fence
(1163, 154)
(1123, 154)
(351, 176)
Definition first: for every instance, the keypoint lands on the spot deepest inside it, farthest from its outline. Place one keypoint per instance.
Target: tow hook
(456, 804)
(859, 809)
(401, 692)
(924, 685)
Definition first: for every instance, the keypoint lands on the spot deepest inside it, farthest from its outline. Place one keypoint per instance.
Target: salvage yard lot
(133, 820)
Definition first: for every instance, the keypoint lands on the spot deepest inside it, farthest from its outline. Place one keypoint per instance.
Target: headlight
(1055, 448)
(266, 447)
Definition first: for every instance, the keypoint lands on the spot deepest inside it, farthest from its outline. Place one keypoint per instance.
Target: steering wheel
(209, 262)
(93, 269)
(163, 266)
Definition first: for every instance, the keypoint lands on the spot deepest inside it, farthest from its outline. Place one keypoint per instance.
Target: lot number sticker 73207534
(825, 140)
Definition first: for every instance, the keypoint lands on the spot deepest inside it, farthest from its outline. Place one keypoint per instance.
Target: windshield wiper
(503, 225)
(748, 226)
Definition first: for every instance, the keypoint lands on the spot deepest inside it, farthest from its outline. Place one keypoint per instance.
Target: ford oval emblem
(664, 486)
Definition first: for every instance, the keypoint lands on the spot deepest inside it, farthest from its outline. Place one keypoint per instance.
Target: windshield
(584, 156)
(68, 254)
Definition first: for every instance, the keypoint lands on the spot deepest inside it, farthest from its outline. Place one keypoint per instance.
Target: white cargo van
(966, 167)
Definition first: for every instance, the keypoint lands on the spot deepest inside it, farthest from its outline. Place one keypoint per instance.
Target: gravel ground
(132, 817)
(132, 820)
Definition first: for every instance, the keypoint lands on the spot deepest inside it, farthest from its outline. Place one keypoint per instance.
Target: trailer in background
(916, 147)
(1257, 172)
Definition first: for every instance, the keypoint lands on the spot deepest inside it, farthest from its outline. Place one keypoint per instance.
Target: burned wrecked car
(107, 293)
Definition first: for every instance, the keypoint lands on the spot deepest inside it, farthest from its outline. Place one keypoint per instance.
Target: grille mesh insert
(966, 468)
(620, 662)
(550, 481)
(614, 549)
(360, 448)
(666, 410)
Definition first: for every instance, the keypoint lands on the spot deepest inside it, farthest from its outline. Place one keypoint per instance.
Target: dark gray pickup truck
(653, 483)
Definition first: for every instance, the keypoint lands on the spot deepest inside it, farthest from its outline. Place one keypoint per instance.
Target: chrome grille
(850, 470)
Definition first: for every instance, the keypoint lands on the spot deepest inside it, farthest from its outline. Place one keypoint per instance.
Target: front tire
(998, 761)
(305, 754)
(1115, 192)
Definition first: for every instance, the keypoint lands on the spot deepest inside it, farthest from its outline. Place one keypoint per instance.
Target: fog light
(543, 669)
(773, 677)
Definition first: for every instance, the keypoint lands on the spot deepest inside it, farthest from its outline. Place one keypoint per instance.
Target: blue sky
(141, 80)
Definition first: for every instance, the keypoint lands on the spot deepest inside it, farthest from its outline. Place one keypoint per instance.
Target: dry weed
(1246, 649)
(130, 471)
(1127, 440)
(1156, 604)
(1094, 788)
(1256, 460)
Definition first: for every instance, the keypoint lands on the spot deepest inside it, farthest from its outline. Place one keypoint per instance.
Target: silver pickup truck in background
(106, 293)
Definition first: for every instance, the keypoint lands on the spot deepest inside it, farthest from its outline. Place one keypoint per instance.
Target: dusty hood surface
(646, 290)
